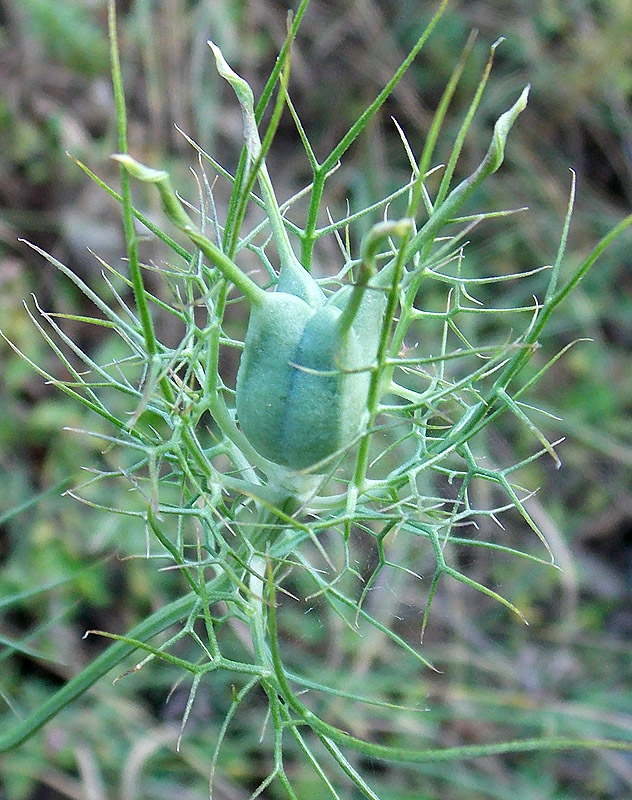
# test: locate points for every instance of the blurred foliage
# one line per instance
(571, 670)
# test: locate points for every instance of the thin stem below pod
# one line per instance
(407, 755)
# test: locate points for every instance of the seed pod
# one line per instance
(298, 402)
(305, 371)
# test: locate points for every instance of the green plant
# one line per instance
(248, 505)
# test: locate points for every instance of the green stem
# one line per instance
(280, 62)
(177, 215)
(347, 140)
(377, 376)
(293, 277)
(126, 200)
(75, 687)
(370, 246)
(159, 621)
(407, 755)
(523, 356)
(490, 164)
(309, 237)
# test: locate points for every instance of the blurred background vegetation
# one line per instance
(570, 672)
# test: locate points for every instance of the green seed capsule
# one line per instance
(297, 400)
